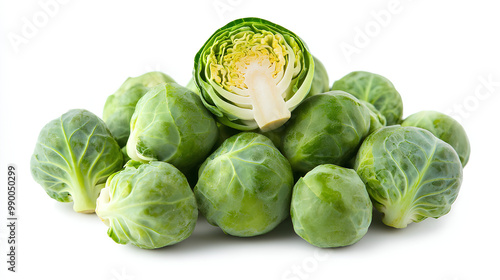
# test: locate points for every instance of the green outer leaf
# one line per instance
(409, 173)
(375, 89)
(151, 206)
(120, 106)
(301, 87)
(171, 124)
(326, 128)
(73, 155)
(330, 207)
(445, 128)
(245, 186)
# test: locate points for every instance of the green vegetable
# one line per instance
(330, 207)
(149, 205)
(409, 173)
(120, 106)
(171, 124)
(375, 89)
(252, 73)
(320, 81)
(445, 128)
(245, 186)
(73, 156)
(326, 128)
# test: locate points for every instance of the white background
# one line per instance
(437, 53)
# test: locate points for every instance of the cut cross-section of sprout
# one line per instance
(253, 73)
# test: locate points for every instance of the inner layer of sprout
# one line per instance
(254, 71)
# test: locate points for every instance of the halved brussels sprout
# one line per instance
(252, 73)
(320, 81)
(375, 89)
(149, 205)
(245, 186)
(120, 106)
(171, 124)
(326, 128)
(409, 173)
(73, 156)
(445, 128)
(330, 207)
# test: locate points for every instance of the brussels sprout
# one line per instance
(330, 207)
(409, 173)
(320, 81)
(375, 89)
(73, 156)
(252, 73)
(245, 186)
(171, 124)
(120, 106)
(149, 205)
(326, 128)
(445, 128)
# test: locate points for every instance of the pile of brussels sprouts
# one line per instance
(256, 136)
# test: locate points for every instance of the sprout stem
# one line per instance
(269, 107)
(396, 217)
(82, 200)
